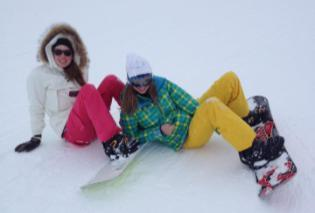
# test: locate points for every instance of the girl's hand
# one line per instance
(167, 129)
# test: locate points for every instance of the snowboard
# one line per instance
(112, 169)
(280, 170)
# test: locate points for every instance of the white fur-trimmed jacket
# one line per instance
(48, 89)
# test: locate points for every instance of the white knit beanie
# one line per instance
(136, 65)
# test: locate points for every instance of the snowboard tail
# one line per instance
(279, 169)
(112, 169)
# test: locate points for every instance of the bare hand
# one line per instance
(167, 129)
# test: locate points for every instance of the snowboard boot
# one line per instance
(120, 146)
(261, 153)
(257, 115)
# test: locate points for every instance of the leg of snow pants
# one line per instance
(111, 87)
(221, 109)
(89, 118)
(229, 90)
(212, 115)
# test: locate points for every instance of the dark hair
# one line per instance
(73, 73)
(130, 101)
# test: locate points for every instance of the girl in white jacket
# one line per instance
(77, 111)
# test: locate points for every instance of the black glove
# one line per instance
(29, 145)
(120, 146)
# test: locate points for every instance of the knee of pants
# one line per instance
(229, 79)
(109, 79)
(230, 76)
(112, 86)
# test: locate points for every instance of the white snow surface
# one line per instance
(269, 44)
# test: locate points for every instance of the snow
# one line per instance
(269, 44)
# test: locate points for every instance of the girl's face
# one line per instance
(63, 56)
(141, 89)
(141, 83)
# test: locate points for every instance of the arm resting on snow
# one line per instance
(30, 145)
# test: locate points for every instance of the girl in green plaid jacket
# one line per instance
(155, 109)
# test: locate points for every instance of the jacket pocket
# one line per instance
(64, 99)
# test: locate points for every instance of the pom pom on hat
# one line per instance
(136, 66)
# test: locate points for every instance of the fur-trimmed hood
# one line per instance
(62, 31)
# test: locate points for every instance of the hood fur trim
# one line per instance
(63, 30)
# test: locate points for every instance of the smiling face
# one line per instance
(63, 56)
(141, 83)
(141, 89)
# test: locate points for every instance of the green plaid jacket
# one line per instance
(175, 106)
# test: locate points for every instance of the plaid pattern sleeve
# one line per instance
(182, 99)
(130, 127)
(178, 137)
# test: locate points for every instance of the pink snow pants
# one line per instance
(90, 117)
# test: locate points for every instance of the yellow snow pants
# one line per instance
(221, 109)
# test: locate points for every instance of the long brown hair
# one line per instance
(130, 101)
(74, 73)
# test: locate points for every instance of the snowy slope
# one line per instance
(269, 44)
